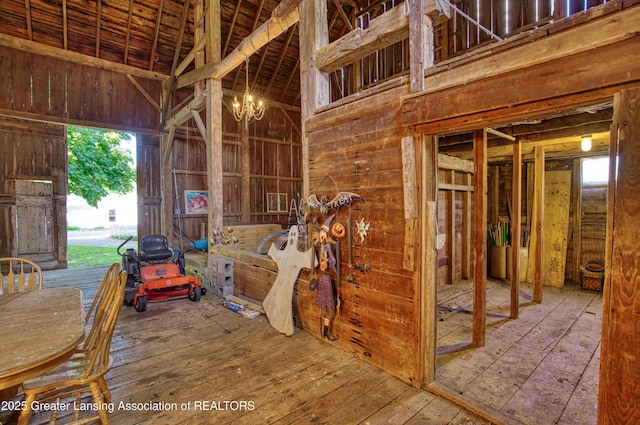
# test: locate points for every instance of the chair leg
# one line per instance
(25, 414)
(104, 389)
(97, 398)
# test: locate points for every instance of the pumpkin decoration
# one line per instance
(338, 230)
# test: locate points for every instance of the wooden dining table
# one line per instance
(39, 330)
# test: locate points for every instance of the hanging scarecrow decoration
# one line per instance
(326, 298)
(327, 241)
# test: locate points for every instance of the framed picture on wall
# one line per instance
(196, 201)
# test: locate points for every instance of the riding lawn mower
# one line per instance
(157, 273)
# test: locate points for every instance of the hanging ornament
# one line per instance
(361, 229)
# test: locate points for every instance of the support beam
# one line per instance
(76, 58)
(385, 30)
(429, 270)
(283, 16)
(314, 85)
(480, 237)
(420, 44)
(245, 171)
(516, 219)
(213, 94)
(467, 203)
(538, 196)
(619, 387)
(451, 229)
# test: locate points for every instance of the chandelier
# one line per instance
(249, 107)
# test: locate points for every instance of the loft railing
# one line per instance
(455, 36)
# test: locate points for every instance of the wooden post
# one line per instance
(516, 218)
(538, 256)
(213, 91)
(480, 236)
(466, 228)
(429, 269)
(451, 229)
(314, 85)
(577, 218)
(245, 164)
(619, 387)
(420, 44)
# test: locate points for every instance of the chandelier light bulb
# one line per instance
(248, 108)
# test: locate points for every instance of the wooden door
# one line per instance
(35, 224)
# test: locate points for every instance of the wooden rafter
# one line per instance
(74, 57)
(345, 18)
(283, 16)
(128, 37)
(65, 25)
(293, 72)
(292, 31)
(254, 25)
(27, 6)
(232, 26)
(98, 23)
(263, 56)
(145, 93)
(190, 57)
(176, 58)
(154, 46)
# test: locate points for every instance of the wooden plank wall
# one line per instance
(356, 147)
(37, 152)
(149, 187)
(593, 216)
(50, 89)
(274, 157)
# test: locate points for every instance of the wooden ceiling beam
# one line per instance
(98, 23)
(263, 56)
(254, 25)
(128, 36)
(27, 6)
(292, 31)
(294, 71)
(383, 31)
(282, 17)
(176, 57)
(77, 58)
(232, 26)
(65, 26)
(154, 46)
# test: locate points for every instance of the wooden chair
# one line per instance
(99, 305)
(19, 275)
(84, 371)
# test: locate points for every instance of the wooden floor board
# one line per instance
(185, 352)
(538, 369)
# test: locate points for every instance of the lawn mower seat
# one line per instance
(154, 248)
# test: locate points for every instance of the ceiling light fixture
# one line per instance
(249, 108)
(585, 144)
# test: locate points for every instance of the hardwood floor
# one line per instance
(200, 363)
(541, 368)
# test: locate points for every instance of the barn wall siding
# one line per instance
(33, 151)
(356, 148)
(48, 89)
